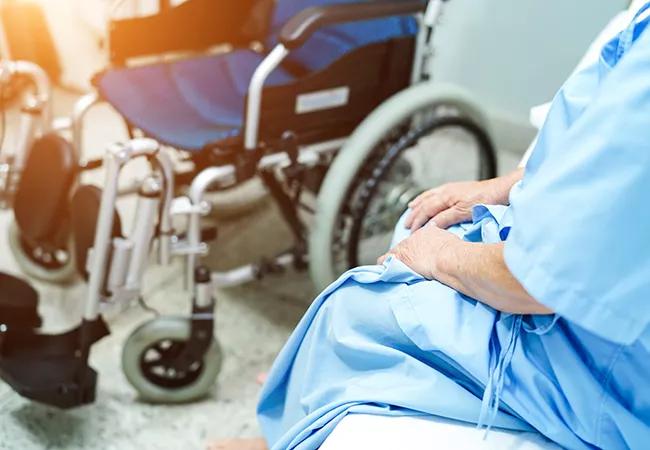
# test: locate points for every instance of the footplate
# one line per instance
(51, 369)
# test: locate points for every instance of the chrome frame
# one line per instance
(424, 41)
(79, 111)
(255, 89)
(39, 102)
(116, 158)
(195, 208)
(35, 118)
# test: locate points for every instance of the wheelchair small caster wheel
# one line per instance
(52, 267)
(147, 362)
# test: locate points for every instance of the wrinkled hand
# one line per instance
(423, 250)
(452, 203)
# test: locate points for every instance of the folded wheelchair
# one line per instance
(285, 112)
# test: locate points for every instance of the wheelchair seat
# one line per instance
(18, 303)
(196, 102)
(190, 103)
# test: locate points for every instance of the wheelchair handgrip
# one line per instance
(300, 27)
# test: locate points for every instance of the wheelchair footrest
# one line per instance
(51, 369)
(18, 303)
(56, 381)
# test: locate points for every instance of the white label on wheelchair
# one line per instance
(320, 100)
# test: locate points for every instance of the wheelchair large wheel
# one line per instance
(49, 265)
(146, 359)
(423, 137)
(39, 235)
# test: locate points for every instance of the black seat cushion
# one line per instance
(18, 303)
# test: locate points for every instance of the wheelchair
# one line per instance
(286, 113)
(167, 359)
(231, 108)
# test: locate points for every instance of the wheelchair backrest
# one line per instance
(331, 43)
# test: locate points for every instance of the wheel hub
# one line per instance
(157, 364)
(50, 259)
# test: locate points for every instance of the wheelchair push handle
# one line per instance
(302, 26)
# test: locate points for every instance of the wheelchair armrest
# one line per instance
(304, 24)
(194, 25)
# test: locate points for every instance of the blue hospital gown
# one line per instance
(383, 340)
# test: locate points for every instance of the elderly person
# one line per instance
(528, 311)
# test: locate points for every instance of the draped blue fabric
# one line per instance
(383, 340)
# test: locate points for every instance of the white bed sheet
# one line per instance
(361, 431)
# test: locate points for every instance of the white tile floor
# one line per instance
(253, 322)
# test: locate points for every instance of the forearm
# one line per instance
(501, 186)
(479, 271)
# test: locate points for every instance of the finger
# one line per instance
(409, 219)
(422, 197)
(418, 200)
(419, 220)
(435, 205)
(414, 216)
(417, 212)
(381, 259)
(422, 214)
(449, 217)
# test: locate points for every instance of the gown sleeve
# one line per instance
(580, 243)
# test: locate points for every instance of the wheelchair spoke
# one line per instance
(437, 149)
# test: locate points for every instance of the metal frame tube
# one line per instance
(420, 52)
(424, 48)
(165, 226)
(116, 157)
(203, 297)
(199, 186)
(306, 155)
(79, 111)
(143, 230)
(433, 13)
(225, 174)
(117, 275)
(114, 160)
(254, 103)
(41, 98)
(28, 127)
(37, 75)
(247, 273)
(36, 110)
